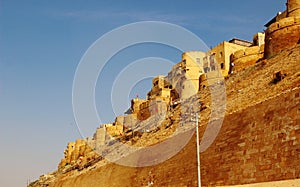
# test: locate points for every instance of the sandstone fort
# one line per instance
(259, 140)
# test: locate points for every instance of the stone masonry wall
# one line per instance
(78, 152)
(281, 35)
(258, 144)
(246, 57)
(293, 7)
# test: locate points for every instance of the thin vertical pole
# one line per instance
(198, 151)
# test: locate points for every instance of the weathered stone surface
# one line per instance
(78, 152)
(248, 149)
(284, 33)
(259, 140)
(244, 58)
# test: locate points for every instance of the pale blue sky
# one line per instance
(42, 42)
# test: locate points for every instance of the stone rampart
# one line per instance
(246, 57)
(282, 34)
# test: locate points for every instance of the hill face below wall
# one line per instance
(259, 140)
(258, 144)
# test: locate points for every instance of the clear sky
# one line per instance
(42, 42)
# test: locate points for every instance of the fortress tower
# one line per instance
(293, 8)
(283, 32)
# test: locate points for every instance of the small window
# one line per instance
(222, 66)
(221, 54)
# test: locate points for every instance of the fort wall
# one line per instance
(258, 144)
(293, 8)
(114, 130)
(246, 57)
(284, 33)
(222, 55)
(77, 153)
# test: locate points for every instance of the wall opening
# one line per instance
(222, 66)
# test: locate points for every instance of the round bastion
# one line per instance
(284, 33)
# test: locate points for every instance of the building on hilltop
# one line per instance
(248, 56)
(135, 105)
(193, 66)
(197, 69)
(259, 39)
(221, 53)
(160, 88)
(238, 54)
